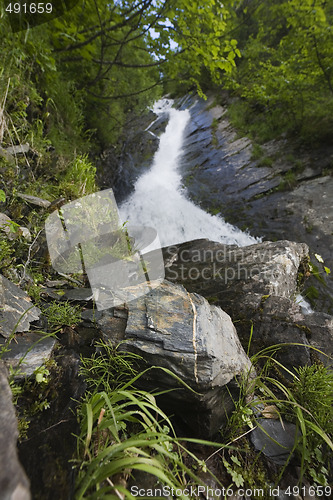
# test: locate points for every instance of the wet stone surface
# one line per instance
(181, 332)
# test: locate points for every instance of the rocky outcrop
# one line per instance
(14, 484)
(257, 286)
(181, 332)
(236, 278)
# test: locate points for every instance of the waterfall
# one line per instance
(159, 200)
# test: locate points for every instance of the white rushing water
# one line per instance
(159, 201)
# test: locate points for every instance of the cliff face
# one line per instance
(277, 190)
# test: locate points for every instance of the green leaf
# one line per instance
(2, 196)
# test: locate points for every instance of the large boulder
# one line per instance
(236, 278)
(14, 484)
(182, 332)
(257, 285)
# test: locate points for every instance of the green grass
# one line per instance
(62, 314)
(307, 401)
(124, 431)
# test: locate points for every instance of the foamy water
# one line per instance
(159, 201)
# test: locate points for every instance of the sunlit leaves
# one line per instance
(287, 62)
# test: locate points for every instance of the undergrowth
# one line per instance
(123, 430)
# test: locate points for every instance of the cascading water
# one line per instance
(159, 200)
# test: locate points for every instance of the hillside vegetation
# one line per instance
(68, 87)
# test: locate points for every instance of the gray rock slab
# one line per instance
(182, 332)
(28, 352)
(78, 294)
(14, 484)
(16, 309)
(34, 200)
(236, 278)
(19, 149)
(274, 439)
(175, 324)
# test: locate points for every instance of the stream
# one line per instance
(159, 199)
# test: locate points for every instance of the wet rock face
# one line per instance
(120, 166)
(13, 480)
(174, 329)
(16, 309)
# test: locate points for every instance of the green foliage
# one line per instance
(62, 314)
(288, 181)
(312, 397)
(31, 396)
(313, 389)
(257, 152)
(34, 292)
(6, 251)
(123, 430)
(285, 74)
(79, 178)
(266, 161)
(108, 368)
(307, 401)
